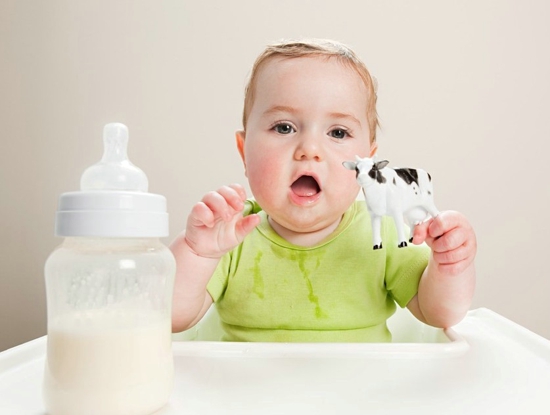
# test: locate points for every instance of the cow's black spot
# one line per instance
(377, 175)
(394, 182)
(408, 175)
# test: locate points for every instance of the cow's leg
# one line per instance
(413, 227)
(411, 223)
(398, 219)
(412, 231)
(376, 222)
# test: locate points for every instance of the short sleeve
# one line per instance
(404, 266)
(218, 282)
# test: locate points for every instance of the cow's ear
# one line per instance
(350, 165)
(381, 164)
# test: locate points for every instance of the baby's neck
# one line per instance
(306, 239)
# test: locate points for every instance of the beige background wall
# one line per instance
(464, 93)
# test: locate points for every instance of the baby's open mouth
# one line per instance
(305, 186)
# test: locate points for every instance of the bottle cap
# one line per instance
(113, 200)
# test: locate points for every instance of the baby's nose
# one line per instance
(309, 147)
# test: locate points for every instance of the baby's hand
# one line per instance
(216, 224)
(452, 240)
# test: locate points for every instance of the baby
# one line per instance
(296, 263)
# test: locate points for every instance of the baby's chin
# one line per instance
(304, 230)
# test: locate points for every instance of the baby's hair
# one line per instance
(290, 49)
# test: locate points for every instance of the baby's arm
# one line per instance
(214, 227)
(447, 286)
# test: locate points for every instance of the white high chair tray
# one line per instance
(505, 370)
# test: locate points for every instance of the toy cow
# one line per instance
(400, 193)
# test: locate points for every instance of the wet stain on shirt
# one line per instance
(306, 271)
(258, 287)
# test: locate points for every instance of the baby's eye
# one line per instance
(339, 133)
(284, 128)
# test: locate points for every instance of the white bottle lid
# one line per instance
(113, 200)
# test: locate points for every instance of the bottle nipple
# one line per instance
(114, 171)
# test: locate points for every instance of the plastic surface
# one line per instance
(114, 171)
(506, 370)
(113, 199)
(109, 293)
(405, 194)
(109, 323)
(106, 214)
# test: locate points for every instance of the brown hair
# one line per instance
(315, 47)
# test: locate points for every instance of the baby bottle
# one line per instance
(109, 293)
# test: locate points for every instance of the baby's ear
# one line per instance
(240, 136)
(373, 149)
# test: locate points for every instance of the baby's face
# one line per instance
(308, 116)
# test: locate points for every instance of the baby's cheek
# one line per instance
(345, 184)
(263, 178)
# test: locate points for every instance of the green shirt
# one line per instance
(340, 290)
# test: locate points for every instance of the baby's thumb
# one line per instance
(245, 225)
(420, 233)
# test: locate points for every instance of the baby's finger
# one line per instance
(453, 256)
(240, 190)
(233, 197)
(420, 233)
(201, 215)
(245, 225)
(219, 206)
(450, 240)
(444, 222)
